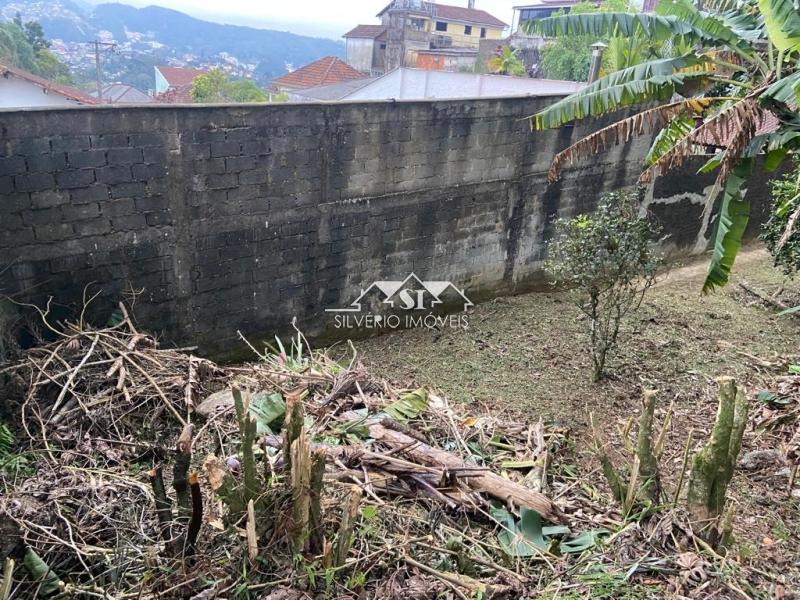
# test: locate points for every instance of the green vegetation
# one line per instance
(607, 260)
(23, 45)
(568, 57)
(216, 86)
(780, 232)
(506, 62)
(732, 68)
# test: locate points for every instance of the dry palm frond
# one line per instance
(734, 127)
(622, 131)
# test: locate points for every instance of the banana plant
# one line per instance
(735, 63)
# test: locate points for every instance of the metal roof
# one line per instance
(422, 84)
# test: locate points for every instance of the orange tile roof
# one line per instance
(455, 13)
(179, 76)
(63, 90)
(324, 71)
(175, 95)
(366, 31)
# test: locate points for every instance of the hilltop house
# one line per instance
(325, 71)
(415, 33)
(21, 89)
(174, 84)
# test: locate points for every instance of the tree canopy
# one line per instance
(568, 57)
(506, 62)
(23, 45)
(215, 86)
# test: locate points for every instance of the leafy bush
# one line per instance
(781, 232)
(507, 62)
(607, 259)
(215, 86)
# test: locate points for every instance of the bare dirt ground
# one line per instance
(524, 357)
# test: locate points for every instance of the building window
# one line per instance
(417, 24)
(467, 29)
(534, 14)
(483, 32)
(383, 46)
(441, 26)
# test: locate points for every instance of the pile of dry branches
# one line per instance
(316, 479)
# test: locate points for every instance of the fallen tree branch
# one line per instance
(764, 297)
(423, 455)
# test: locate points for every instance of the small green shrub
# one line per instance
(781, 232)
(607, 259)
(10, 461)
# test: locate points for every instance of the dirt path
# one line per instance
(698, 267)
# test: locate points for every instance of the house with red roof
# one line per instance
(174, 84)
(428, 35)
(22, 89)
(325, 71)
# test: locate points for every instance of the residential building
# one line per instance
(366, 48)
(122, 93)
(21, 89)
(413, 26)
(423, 84)
(325, 71)
(540, 9)
(174, 84)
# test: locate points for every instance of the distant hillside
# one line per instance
(155, 34)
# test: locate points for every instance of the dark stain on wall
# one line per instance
(218, 219)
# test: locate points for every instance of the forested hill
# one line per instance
(154, 34)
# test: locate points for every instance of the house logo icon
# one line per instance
(412, 293)
(405, 303)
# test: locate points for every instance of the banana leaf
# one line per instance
(409, 406)
(783, 23)
(734, 214)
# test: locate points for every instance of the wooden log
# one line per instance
(434, 460)
(196, 521)
(317, 533)
(293, 425)
(250, 529)
(344, 538)
(648, 463)
(301, 497)
(163, 503)
(713, 465)
(247, 432)
(180, 473)
(486, 481)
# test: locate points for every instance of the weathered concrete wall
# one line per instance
(241, 218)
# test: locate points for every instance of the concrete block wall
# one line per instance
(218, 219)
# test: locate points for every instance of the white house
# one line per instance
(21, 89)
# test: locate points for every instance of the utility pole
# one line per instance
(97, 64)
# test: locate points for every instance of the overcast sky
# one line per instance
(328, 18)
